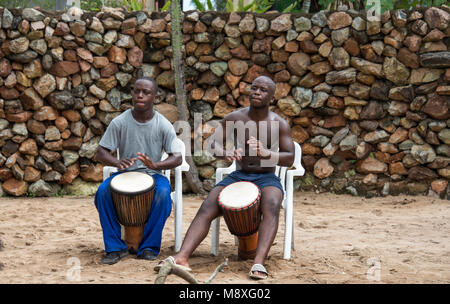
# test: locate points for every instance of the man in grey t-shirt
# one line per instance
(140, 134)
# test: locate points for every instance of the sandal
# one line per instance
(171, 260)
(258, 268)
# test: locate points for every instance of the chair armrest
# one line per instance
(227, 170)
(108, 170)
(295, 172)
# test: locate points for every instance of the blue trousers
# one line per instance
(160, 211)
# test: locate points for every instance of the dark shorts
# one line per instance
(260, 179)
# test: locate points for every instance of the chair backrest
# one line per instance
(281, 171)
(179, 146)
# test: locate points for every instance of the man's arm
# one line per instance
(286, 150)
(286, 153)
(104, 156)
(173, 160)
(218, 145)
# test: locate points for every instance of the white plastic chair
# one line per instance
(287, 180)
(176, 195)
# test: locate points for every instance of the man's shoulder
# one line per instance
(161, 119)
(238, 114)
(122, 117)
(277, 117)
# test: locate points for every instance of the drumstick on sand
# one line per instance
(170, 268)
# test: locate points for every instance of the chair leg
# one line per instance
(215, 237)
(177, 197)
(288, 232)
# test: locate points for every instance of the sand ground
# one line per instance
(338, 239)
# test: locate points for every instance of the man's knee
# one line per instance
(102, 191)
(271, 202)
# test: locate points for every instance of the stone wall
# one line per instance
(368, 101)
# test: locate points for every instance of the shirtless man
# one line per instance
(252, 164)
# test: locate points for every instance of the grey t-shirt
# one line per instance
(131, 136)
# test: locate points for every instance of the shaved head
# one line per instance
(267, 81)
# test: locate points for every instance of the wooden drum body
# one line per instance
(132, 194)
(240, 205)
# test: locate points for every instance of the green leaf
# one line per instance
(209, 4)
(199, 5)
(166, 6)
(249, 6)
(229, 7)
(240, 7)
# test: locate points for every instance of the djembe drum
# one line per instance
(240, 205)
(132, 194)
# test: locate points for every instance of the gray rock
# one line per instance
(262, 25)
(89, 148)
(319, 19)
(7, 19)
(318, 100)
(443, 150)
(114, 97)
(39, 46)
(141, 17)
(346, 76)
(42, 188)
(423, 153)
(395, 71)
(291, 35)
(352, 190)
(61, 100)
(444, 136)
(32, 14)
(435, 60)
(219, 68)
(81, 188)
(376, 136)
(302, 96)
(302, 24)
(320, 141)
(350, 142)
(338, 37)
(20, 129)
(359, 24)
(203, 108)
(339, 135)
(203, 158)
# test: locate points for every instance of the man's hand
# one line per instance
(147, 161)
(257, 146)
(126, 163)
(234, 155)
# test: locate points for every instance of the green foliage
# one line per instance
(290, 6)
(96, 5)
(257, 6)
(325, 3)
(199, 5)
(166, 6)
(134, 5)
(263, 6)
(349, 173)
(44, 4)
(409, 4)
(61, 193)
(91, 5)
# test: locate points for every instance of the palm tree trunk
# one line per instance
(306, 6)
(180, 91)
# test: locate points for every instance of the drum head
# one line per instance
(239, 195)
(132, 183)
